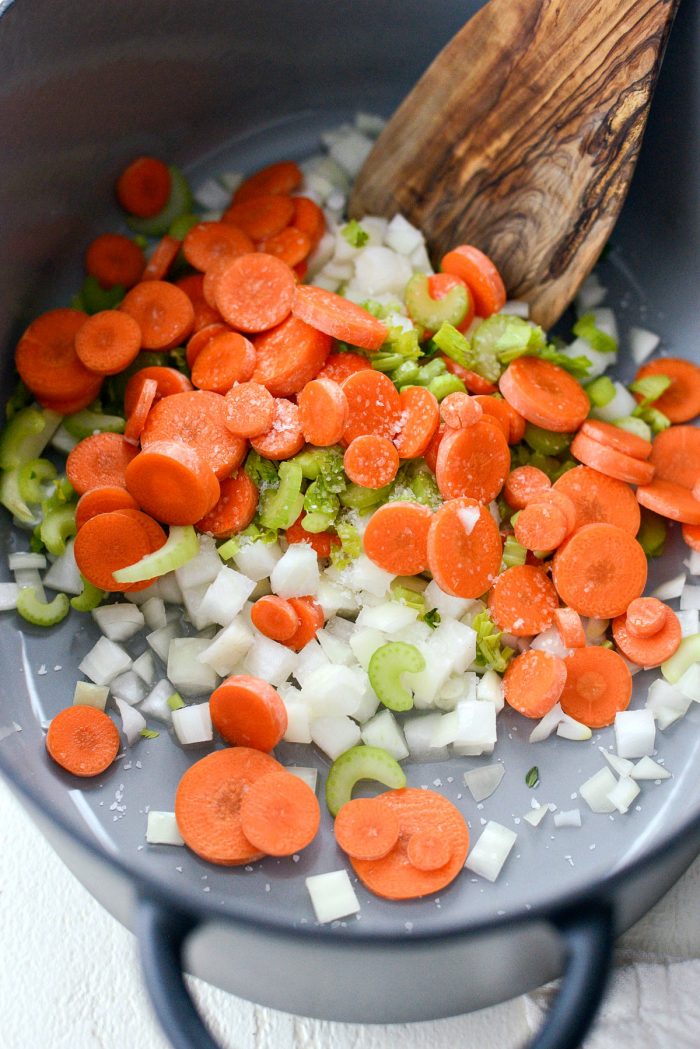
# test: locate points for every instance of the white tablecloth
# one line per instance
(70, 978)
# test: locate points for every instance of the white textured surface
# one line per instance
(70, 977)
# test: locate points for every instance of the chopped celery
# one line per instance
(262, 472)
(455, 346)
(652, 533)
(175, 701)
(600, 391)
(20, 398)
(179, 203)
(41, 613)
(387, 664)
(319, 500)
(26, 435)
(545, 442)
(32, 478)
(149, 733)
(359, 763)
(316, 522)
(442, 385)
(355, 497)
(230, 548)
(399, 346)
(95, 298)
(432, 618)
(650, 388)
(405, 596)
(62, 493)
(182, 226)
(350, 544)
(634, 425)
(415, 481)
(687, 653)
(85, 423)
(500, 339)
(430, 312)
(280, 507)
(354, 234)
(655, 420)
(12, 500)
(89, 598)
(181, 546)
(430, 371)
(406, 374)
(585, 328)
(489, 651)
(579, 367)
(56, 528)
(513, 552)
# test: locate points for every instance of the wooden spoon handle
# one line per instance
(522, 137)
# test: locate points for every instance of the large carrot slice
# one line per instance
(670, 500)
(464, 548)
(600, 570)
(209, 243)
(108, 542)
(253, 292)
(323, 412)
(108, 342)
(598, 498)
(338, 317)
(675, 455)
(261, 216)
(474, 461)
(289, 356)
(172, 483)
(374, 405)
(163, 312)
(193, 287)
(114, 259)
(617, 438)
(102, 500)
(284, 438)
(339, 366)
(366, 829)
(97, 460)
(46, 359)
(82, 740)
(598, 685)
(648, 651)
(371, 461)
(681, 401)
(69, 405)
(280, 814)
(420, 418)
(248, 712)
(168, 381)
(522, 484)
(226, 359)
(250, 409)
(284, 176)
(533, 682)
(235, 509)
(198, 420)
(544, 394)
(274, 617)
(480, 275)
(609, 461)
(396, 537)
(522, 600)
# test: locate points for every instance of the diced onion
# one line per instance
(332, 896)
(161, 829)
(193, 724)
(384, 731)
(671, 588)
(132, 721)
(595, 791)
(226, 650)
(335, 734)
(270, 660)
(484, 781)
(635, 732)
(129, 687)
(623, 794)
(155, 705)
(308, 775)
(296, 573)
(567, 818)
(568, 728)
(535, 816)
(491, 850)
(647, 768)
(88, 695)
(105, 661)
(187, 674)
(622, 766)
(642, 344)
(547, 725)
(119, 621)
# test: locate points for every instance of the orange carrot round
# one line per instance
(114, 259)
(197, 419)
(473, 462)
(691, 536)
(290, 244)
(250, 409)
(512, 424)
(598, 498)
(46, 359)
(199, 339)
(274, 617)
(310, 621)
(441, 284)
(70, 405)
(172, 483)
(617, 438)
(108, 342)
(284, 176)
(480, 275)
(570, 627)
(681, 401)
(235, 509)
(670, 500)
(108, 542)
(248, 712)
(371, 461)
(227, 358)
(474, 382)
(102, 500)
(162, 258)
(163, 312)
(552, 497)
(323, 412)
(137, 420)
(522, 484)
(82, 740)
(284, 438)
(308, 218)
(288, 356)
(193, 287)
(338, 317)
(374, 405)
(320, 542)
(544, 394)
(533, 682)
(419, 419)
(648, 651)
(97, 460)
(254, 292)
(431, 452)
(261, 216)
(598, 685)
(645, 616)
(464, 548)
(396, 537)
(143, 188)
(541, 527)
(675, 455)
(610, 462)
(168, 382)
(339, 366)
(522, 600)
(600, 570)
(280, 814)
(427, 850)
(209, 243)
(365, 829)
(459, 410)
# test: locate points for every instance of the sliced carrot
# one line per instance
(310, 621)
(533, 682)
(512, 424)
(250, 409)
(459, 410)
(274, 617)
(163, 312)
(108, 542)
(172, 483)
(480, 275)
(288, 356)
(691, 536)
(598, 498)
(137, 420)
(323, 412)
(339, 366)
(552, 497)
(209, 243)
(645, 616)
(208, 801)
(308, 218)
(254, 292)
(204, 314)
(70, 405)
(83, 740)
(261, 216)
(522, 600)
(431, 452)
(199, 339)
(570, 627)
(541, 526)
(617, 438)
(427, 850)
(291, 245)
(300, 270)
(102, 500)
(235, 509)
(649, 651)
(396, 537)
(419, 419)
(473, 462)
(522, 484)
(441, 284)
(365, 829)
(675, 455)
(114, 259)
(108, 342)
(544, 394)
(464, 548)
(284, 176)
(197, 419)
(226, 359)
(598, 685)
(161, 259)
(338, 317)
(600, 570)
(681, 401)
(97, 460)
(154, 533)
(670, 500)
(169, 381)
(280, 814)
(209, 285)
(393, 876)
(321, 542)
(248, 712)
(143, 188)
(608, 461)
(371, 461)
(374, 405)
(474, 382)
(284, 438)
(46, 359)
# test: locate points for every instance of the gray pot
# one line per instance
(84, 88)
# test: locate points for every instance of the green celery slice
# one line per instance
(281, 506)
(430, 313)
(181, 546)
(12, 500)
(32, 477)
(41, 613)
(360, 763)
(89, 598)
(56, 528)
(85, 423)
(179, 203)
(26, 435)
(442, 385)
(387, 664)
(687, 653)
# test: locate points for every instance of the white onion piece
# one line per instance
(567, 818)
(647, 768)
(568, 728)
(391, 617)
(298, 728)
(379, 270)
(595, 791)
(594, 629)
(363, 574)
(635, 732)
(270, 660)
(211, 195)
(119, 621)
(550, 641)
(193, 724)
(622, 404)
(296, 572)
(129, 687)
(159, 640)
(419, 732)
(457, 689)
(383, 730)
(225, 651)
(516, 308)
(333, 690)
(689, 621)
(671, 588)
(88, 695)
(364, 643)
(132, 721)
(621, 766)
(402, 237)
(257, 560)
(155, 705)
(692, 562)
(490, 689)
(476, 728)
(332, 896)
(201, 569)
(455, 643)
(547, 725)
(154, 613)
(590, 294)
(689, 682)
(449, 607)
(185, 672)
(642, 343)
(9, 593)
(309, 659)
(483, 782)
(666, 702)
(623, 794)
(144, 666)
(336, 649)
(469, 518)
(334, 735)
(491, 850)
(369, 124)
(535, 816)
(226, 596)
(428, 683)
(308, 775)
(690, 598)
(26, 559)
(105, 661)
(161, 829)
(334, 598)
(230, 180)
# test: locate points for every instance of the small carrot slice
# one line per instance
(248, 712)
(670, 500)
(97, 460)
(168, 381)
(284, 176)
(250, 409)
(209, 243)
(114, 259)
(522, 484)
(650, 651)
(533, 682)
(323, 412)
(254, 292)
(365, 829)
(172, 483)
(474, 382)
(464, 548)
(235, 509)
(681, 401)
(280, 814)
(512, 424)
(396, 537)
(374, 405)
(288, 356)
(290, 244)
(598, 498)
(610, 462)
(284, 438)
(208, 801)
(69, 405)
(137, 420)
(473, 462)
(274, 617)
(154, 533)
(431, 452)
(308, 218)
(691, 536)
(371, 461)
(598, 685)
(46, 359)
(261, 216)
(162, 258)
(522, 600)
(163, 312)
(617, 438)
(193, 287)
(108, 542)
(320, 542)
(459, 410)
(544, 394)
(570, 627)
(199, 339)
(338, 317)
(600, 570)
(675, 455)
(419, 419)
(541, 526)
(102, 500)
(645, 616)
(427, 850)
(551, 497)
(197, 419)
(108, 342)
(339, 366)
(441, 284)
(83, 740)
(393, 876)
(310, 621)
(226, 359)
(480, 275)
(144, 186)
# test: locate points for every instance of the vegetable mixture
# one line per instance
(373, 490)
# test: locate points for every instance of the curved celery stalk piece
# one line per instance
(90, 597)
(56, 528)
(356, 764)
(513, 552)
(26, 435)
(181, 546)
(545, 441)
(85, 423)
(41, 613)
(687, 653)
(363, 499)
(430, 312)
(317, 522)
(182, 225)
(442, 385)
(385, 668)
(280, 507)
(12, 500)
(179, 203)
(431, 370)
(634, 425)
(406, 374)
(31, 478)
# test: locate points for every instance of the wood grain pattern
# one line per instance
(522, 137)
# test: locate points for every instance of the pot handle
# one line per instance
(587, 932)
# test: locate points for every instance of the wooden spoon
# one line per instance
(522, 137)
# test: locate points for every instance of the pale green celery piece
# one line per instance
(431, 313)
(89, 598)
(56, 528)
(545, 441)
(385, 668)
(12, 500)
(632, 424)
(181, 546)
(442, 385)
(149, 733)
(454, 345)
(32, 478)
(96, 298)
(356, 764)
(280, 507)
(179, 203)
(513, 552)
(431, 370)
(650, 387)
(386, 362)
(405, 596)
(26, 435)
(182, 226)
(85, 423)
(41, 613)
(317, 522)
(175, 702)
(500, 339)
(350, 544)
(687, 653)
(600, 391)
(654, 419)
(355, 497)
(228, 549)
(586, 328)
(406, 374)
(354, 234)
(652, 533)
